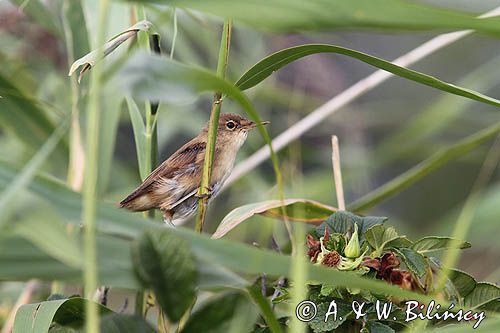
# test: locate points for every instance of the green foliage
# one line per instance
(164, 263)
(38, 317)
(216, 314)
(462, 282)
(435, 243)
(22, 115)
(295, 15)
(119, 323)
(342, 222)
(269, 65)
(300, 210)
(352, 257)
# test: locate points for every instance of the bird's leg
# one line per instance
(167, 218)
(205, 195)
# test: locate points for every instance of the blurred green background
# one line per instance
(382, 134)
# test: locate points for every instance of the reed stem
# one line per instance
(90, 182)
(203, 191)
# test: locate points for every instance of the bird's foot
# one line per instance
(205, 195)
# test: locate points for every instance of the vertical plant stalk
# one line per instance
(203, 191)
(466, 216)
(151, 143)
(298, 273)
(90, 181)
(76, 153)
(337, 173)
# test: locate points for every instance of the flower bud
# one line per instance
(352, 250)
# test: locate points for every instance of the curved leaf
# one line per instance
(21, 115)
(265, 309)
(463, 282)
(413, 260)
(216, 315)
(425, 167)
(275, 61)
(38, 317)
(482, 294)
(321, 15)
(379, 236)
(119, 225)
(164, 263)
(88, 61)
(300, 210)
(343, 221)
(7, 196)
(436, 243)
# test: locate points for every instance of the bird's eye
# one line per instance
(230, 125)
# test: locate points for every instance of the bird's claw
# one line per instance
(205, 195)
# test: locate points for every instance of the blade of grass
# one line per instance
(212, 128)
(119, 227)
(433, 119)
(466, 216)
(363, 86)
(265, 309)
(425, 167)
(148, 142)
(8, 196)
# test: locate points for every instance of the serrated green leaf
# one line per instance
(342, 221)
(415, 262)
(377, 327)
(318, 324)
(463, 282)
(400, 241)
(164, 263)
(493, 305)
(326, 289)
(436, 243)
(482, 294)
(379, 235)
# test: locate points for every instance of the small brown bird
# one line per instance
(172, 187)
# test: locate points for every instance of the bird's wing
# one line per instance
(184, 158)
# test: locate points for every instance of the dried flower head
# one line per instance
(314, 247)
(331, 259)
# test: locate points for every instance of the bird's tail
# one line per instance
(137, 203)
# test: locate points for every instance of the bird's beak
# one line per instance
(253, 124)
